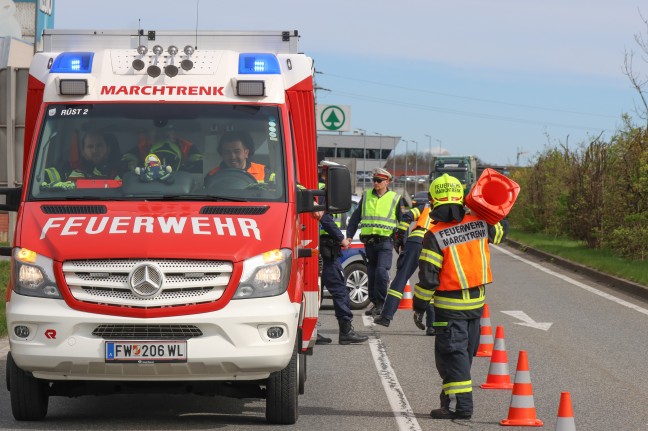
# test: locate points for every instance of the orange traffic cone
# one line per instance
(522, 410)
(565, 414)
(485, 347)
(407, 301)
(498, 371)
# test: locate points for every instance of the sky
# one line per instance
(500, 79)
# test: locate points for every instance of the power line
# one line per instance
(497, 102)
(461, 113)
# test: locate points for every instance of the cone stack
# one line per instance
(498, 371)
(522, 411)
(485, 347)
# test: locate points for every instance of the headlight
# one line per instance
(33, 275)
(265, 275)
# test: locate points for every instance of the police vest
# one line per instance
(465, 260)
(378, 216)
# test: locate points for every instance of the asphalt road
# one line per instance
(580, 335)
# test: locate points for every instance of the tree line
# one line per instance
(596, 192)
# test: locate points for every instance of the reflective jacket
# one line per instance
(454, 266)
(378, 215)
(422, 219)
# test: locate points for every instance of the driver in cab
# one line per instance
(236, 150)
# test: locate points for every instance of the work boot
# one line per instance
(430, 331)
(375, 310)
(382, 321)
(370, 310)
(322, 339)
(444, 413)
(348, 335)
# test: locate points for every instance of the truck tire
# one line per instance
(357, 281)
(282, 394)
(29, 396)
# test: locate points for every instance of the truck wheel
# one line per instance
(29, 396)
(302, 373)
(282, 395)
(355, 276)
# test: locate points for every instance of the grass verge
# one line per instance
(576, 251)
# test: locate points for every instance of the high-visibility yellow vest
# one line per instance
(378, 216)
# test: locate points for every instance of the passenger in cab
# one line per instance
(236, 150)
(172, 150)
(98, 158)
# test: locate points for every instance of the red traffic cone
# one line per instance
(565, 414)
(407, 301)
(498, 371)
(522, 411)
(485, 347)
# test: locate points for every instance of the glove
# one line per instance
(399, 240)
(418, 320)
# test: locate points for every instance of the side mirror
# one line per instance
(12, 198)
(338, 189)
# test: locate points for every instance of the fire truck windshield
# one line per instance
(159, 151)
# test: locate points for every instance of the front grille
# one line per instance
(147, 332)
(186, 282)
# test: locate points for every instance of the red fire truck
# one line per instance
(161, 265)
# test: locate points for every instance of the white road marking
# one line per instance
(526, 320)
(397, 400)
(576, 283)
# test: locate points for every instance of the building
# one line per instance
(359, 152)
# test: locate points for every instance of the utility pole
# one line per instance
(520, 151)
(364, 157)
(429, 155)
(380, 145)
(416, 168)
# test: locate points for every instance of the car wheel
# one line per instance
(282, 393)
(355, 276)
(29, 396)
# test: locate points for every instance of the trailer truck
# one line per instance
(165, 277)
(464, 168)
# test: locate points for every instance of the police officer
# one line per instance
(454, 267)
(407, 263)
(378, 214)
(331, 241)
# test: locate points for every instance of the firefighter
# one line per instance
(98, 159)
(378, 214)
(409, 251)
(454, 267)
(330, 247)
(173, 151)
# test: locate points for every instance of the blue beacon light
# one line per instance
(258, 64)
(73, 62)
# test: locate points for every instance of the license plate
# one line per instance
(146, 352)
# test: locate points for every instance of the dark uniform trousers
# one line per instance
(379, 261)
(455, 346)
(333, 279)
(406, 265)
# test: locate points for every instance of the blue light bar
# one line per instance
(73, 62)
(258, 64)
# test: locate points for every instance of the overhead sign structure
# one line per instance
(333, 118)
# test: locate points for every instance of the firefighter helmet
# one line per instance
(446, 190)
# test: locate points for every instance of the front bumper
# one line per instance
(233, 346)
